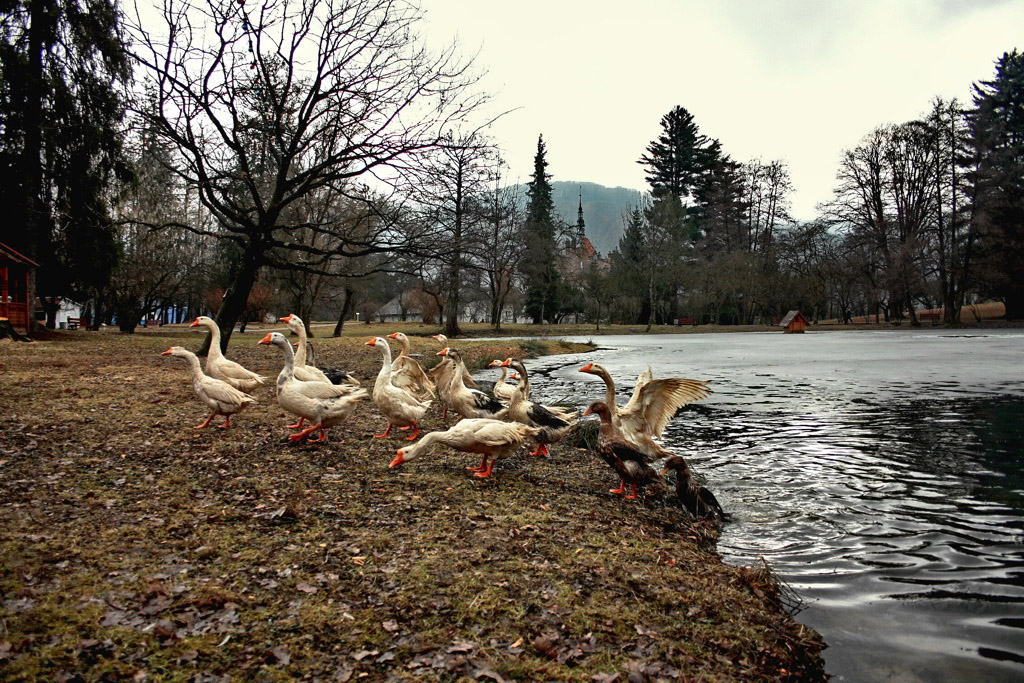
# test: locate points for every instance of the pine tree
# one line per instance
(679, 157)
(543, 285)
(62, 64)
(997, 138)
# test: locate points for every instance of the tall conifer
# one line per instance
(997, 137)
(540, 267)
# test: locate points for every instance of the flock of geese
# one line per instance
(492, 425)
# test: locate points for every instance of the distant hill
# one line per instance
(603, 209)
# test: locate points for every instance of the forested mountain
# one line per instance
(603, 209)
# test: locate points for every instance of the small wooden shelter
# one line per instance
(15, 271)
(794, 322)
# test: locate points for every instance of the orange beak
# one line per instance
(399, 459)
(494, 364)
(587, 368)
(166, 353)
(507, 362)
(442, 352)
(195, 323)
(287, 318)
(514, 375)
(393, 335)
(372, 342)
(588, 411)
(265, 340)
(664, 472)
(436, 337)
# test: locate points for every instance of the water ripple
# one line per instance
(881, 475)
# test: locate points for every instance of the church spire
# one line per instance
(581, 232)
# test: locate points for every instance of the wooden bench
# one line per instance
(686, 321)
(75, 323)
(152, 322)
(932, 316)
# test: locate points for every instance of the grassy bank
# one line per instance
(133, 546)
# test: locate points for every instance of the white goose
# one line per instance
(493, 439)
(307, 373)
(324, 405)
(557, 421)
(304, 372)
(219, 367)
(502, 390)
(220, 396)
(464, 400)
(407, 373)
(398, 405)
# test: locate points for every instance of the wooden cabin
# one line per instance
(15, 271)
(794, 322)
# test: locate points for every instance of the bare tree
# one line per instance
(885, 198)
(767, 189)
(297, 98)
(501, 251)
(449, 188)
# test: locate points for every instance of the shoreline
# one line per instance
(134, 544)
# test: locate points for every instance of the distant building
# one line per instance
(794, 322)
(15, 271)
(580, 256)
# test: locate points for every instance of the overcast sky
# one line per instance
(797, 80)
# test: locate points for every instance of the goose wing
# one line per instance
(658, 400)
(323, 390)
(496, 433)
(641, 381)
(310, 373)
(411, 368)
(482, 401)
(226, 396)
(626, 452)
(467, 379)
(232, 370)
(543, 416)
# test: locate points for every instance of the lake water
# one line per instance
(879, 473)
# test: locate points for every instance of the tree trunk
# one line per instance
(127, 318)
(7, 330)
(235, 299)
(40, 23)
(50, 307)
(346, 308)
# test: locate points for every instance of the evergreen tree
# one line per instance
(543, 287)
(722, 208)
(997, 139)
(62, 64)
(679, 157)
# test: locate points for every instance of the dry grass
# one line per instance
(132, 545)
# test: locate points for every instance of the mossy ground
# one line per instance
(134, 546)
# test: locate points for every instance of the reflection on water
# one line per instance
(881, 475)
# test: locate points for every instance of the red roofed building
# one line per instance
(15, 271)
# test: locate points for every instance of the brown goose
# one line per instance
(652, 405)
(697, 499)
(631, 464)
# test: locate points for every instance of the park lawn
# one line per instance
(134, 546)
